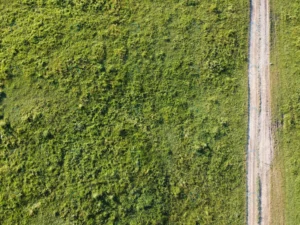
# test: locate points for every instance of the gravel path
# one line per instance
(260, 145)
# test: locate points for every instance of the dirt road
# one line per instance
(260, 145)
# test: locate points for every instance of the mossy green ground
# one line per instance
(123, 112)
(286, 93)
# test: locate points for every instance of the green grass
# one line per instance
(286, 59)
(123, 112)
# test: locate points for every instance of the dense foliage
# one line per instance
(123, 112)
(286, 59)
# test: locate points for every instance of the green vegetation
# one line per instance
(123, 112)
(286, 95)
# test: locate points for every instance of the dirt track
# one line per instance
(260, 145)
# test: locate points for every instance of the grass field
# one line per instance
(286, 94)
(124, 112)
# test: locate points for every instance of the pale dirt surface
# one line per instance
(260, 145)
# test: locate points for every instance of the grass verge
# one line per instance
(285, 88)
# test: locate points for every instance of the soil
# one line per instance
(260, 144)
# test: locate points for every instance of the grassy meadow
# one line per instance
(286, 103)
(127, 112)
